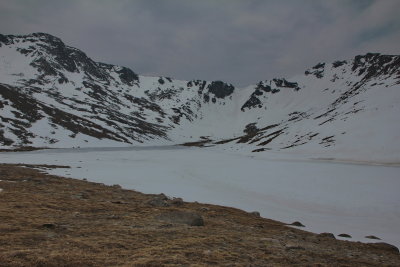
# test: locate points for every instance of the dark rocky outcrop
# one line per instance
(220, 89)
(298, 224)
(284, 83)
(127, 76)
(252, 103)
(317, 70)
(372, 237)
(345, 235)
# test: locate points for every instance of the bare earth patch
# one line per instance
(47, 220)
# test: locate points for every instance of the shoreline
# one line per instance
(90, 223)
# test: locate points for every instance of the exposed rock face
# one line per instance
(317, 70)
(220, 89)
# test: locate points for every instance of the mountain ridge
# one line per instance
(75, 101)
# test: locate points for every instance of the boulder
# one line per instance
(327, 235)
(298, 224)
(255, 213)
(384, 246)
(159, 201)
(345, 235)
(372, 237)
(176, 201)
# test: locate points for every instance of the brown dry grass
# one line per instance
(53, 221)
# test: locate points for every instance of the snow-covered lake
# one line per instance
(326, 196)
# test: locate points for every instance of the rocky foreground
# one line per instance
(47, 220)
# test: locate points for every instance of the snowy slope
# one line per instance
(54, 95)
(348, 108)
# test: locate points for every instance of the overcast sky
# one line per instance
(240, 42)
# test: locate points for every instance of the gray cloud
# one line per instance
(236, 41)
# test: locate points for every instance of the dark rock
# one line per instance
(119, 202)
(298, 224)
(49, 225)
(220, 89)
(338, 63)
(260, 149)
(127, 76)
(345, 235)
(384, 246)
(255, 213)
(251, 128)
(252, 102)
(283, 83)
(182, 217)
(317, 70)
(327, 235)
(206, 98)
(177, 201)
(204, 209)
(319, 66)
(159, 201)
(264, 87)
(372, 237)
(3, 38)
(258, 92)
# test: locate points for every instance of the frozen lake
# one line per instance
(326, 196)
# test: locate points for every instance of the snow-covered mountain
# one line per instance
(54, 95)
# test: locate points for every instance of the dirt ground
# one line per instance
(47, 220)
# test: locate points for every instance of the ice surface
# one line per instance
(326, 196)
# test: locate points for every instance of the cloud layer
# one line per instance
(240, 42)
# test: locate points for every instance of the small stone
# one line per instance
(345, 235)
(298, 224)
